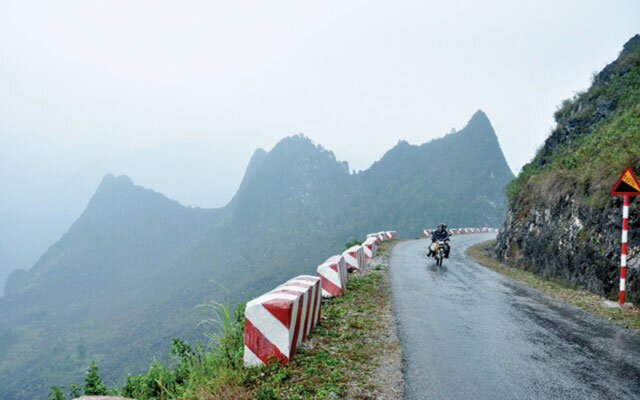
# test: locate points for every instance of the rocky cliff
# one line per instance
(561, 221)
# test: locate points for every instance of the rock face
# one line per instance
(561, 220)
(565, 239)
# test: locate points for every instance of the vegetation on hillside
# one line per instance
(596, 138)
(459, 178)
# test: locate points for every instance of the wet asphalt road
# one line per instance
(470, 333)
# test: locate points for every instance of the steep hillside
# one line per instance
(105, 278)
(459, 179)
(562, 221)
(126, 277)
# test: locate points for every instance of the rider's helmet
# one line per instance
(442, 227)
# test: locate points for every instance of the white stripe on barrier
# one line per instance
(250, 358)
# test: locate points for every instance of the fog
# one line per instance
(178, 95)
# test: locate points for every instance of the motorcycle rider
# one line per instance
(441, 233)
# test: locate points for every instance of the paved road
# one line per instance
(470, 333)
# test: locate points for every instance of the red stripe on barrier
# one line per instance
(260, 345)
(331, 287)
(279, 309)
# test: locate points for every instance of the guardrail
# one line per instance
(277, 322)
(463, 231)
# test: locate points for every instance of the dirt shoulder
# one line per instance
(592, 303)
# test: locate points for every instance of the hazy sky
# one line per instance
(179, 94)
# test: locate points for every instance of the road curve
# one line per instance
(470, 333)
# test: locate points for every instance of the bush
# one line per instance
(93, 383)
(56, 393)
(352, 243)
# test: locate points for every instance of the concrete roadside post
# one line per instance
(334, 275)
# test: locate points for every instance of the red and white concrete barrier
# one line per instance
(278, 321)
(270, 327)
(334, 275)
(370, 248)
(374, 236)
(355, 259)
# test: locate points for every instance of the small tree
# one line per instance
(93, 383)
(354, 242)
(75, 391)
(56, 393)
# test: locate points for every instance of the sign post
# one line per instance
(626, 186)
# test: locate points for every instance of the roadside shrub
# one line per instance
(352, 243)
(93, 384)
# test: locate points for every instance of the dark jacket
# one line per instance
(439, 235)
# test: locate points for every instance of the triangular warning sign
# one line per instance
(627, 184)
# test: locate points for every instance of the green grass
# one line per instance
(594, 304)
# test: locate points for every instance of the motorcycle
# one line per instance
(438, 250)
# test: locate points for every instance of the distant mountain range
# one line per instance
(41, 205)
(127, 275)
